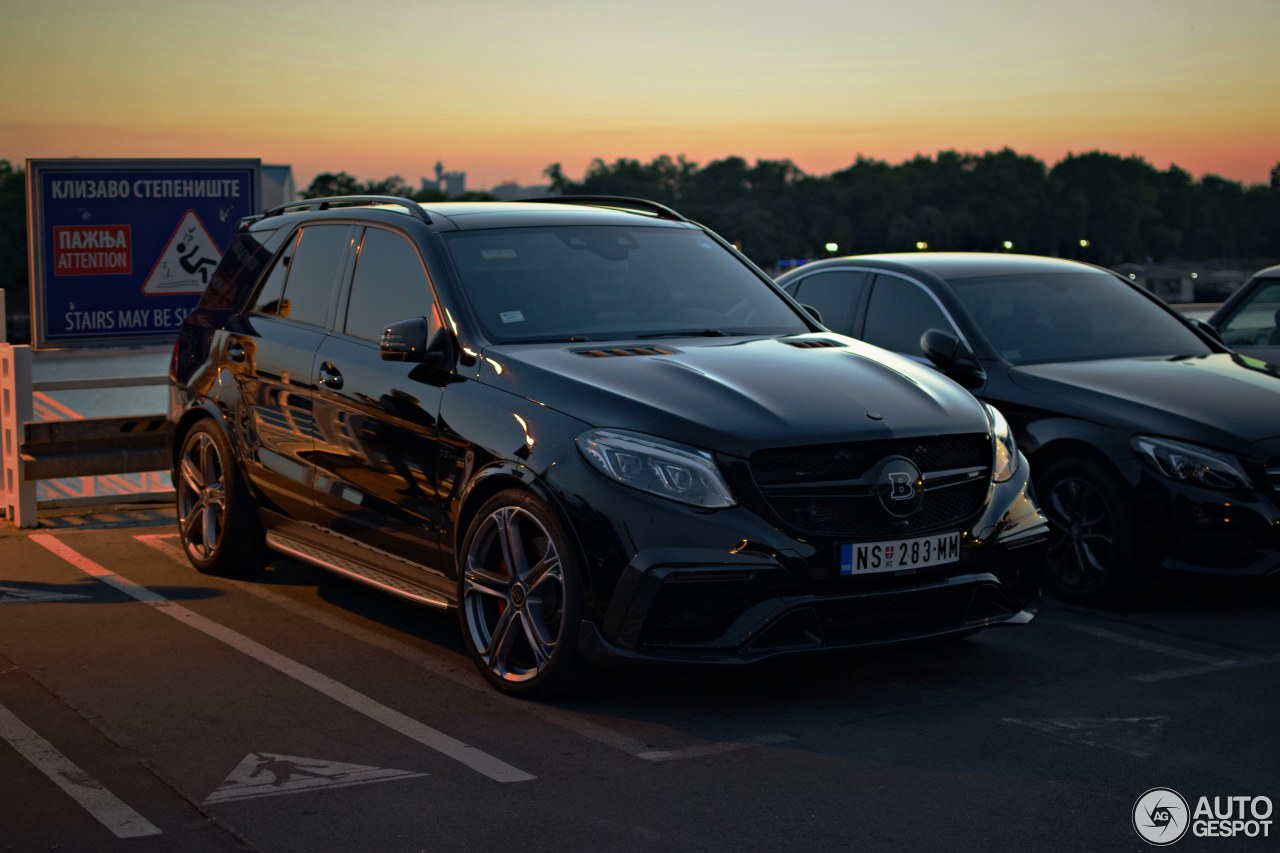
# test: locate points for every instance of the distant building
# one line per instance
(277, 186)
(511, 191)
(452, 184)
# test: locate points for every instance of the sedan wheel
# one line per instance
(1093, 551)
(217, 522)
(519, 599)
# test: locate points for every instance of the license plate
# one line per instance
(864, 558)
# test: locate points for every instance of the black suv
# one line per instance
(595, 429)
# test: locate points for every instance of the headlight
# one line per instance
(1006, 449)
(1188, 463)
(656, 466)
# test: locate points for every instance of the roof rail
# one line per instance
(339, 201)
(622, 202)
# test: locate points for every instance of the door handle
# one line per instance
(330, 377)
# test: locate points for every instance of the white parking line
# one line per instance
(474, 758)
(1142, 644)
(105, 806)
(1218, 666)
(712, 748)
(1207, 663)
(576, 723)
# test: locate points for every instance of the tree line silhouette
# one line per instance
(1096, 206)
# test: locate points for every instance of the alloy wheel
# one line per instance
(513, 594)
(202, 497)
(1084, 532)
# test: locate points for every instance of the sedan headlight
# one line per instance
(657, 466)
(1006, 449)
(1188, 463)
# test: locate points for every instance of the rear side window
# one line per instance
(309, 273)
(268, 298)
(234, 278)
(390, 285)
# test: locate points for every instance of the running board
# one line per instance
(366, 574)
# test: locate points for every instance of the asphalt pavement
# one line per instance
(145, 707)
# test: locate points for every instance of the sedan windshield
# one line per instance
(594, 283)
(1073, 316)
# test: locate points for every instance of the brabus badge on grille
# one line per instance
(899, 487)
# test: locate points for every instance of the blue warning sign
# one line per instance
(121, 250)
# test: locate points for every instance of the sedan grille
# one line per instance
(829, 490)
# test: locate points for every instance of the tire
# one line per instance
(1094, 550)
(520, 598)
(217, 520)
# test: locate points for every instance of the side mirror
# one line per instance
(412, 341)
(1211, 331)
(952, 357)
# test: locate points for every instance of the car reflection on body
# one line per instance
(1151, 443)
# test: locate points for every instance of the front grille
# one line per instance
(842, 501)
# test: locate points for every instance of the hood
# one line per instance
(739, 395)
(1213, 400)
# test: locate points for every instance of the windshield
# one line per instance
(611, 282)
(1076, 316)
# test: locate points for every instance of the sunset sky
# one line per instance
(500, 89)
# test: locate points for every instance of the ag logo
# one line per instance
(1161, 817)
(898, 486)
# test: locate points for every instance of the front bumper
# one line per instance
(746, 608)
(798, 624)
(1207, 532)
(688, 604)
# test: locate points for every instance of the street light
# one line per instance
(1084, 244)
(833, 247)
(921, 245)
(1008, 245)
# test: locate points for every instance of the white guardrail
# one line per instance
(79, 448)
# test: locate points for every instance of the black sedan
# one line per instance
(1151, 443)
(1249, 321)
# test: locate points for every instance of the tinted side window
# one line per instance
(241, 266)
(835, 294)
(313, 273)
(900, 312)
(268, 298)
(390, 285)
(1256, 321)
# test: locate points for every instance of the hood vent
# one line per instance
(621, 351)
(817, 343)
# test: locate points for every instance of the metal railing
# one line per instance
(34, 450)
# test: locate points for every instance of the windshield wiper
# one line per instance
(687, 333)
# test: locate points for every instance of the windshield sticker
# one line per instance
(512, 317)
(498, 254)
